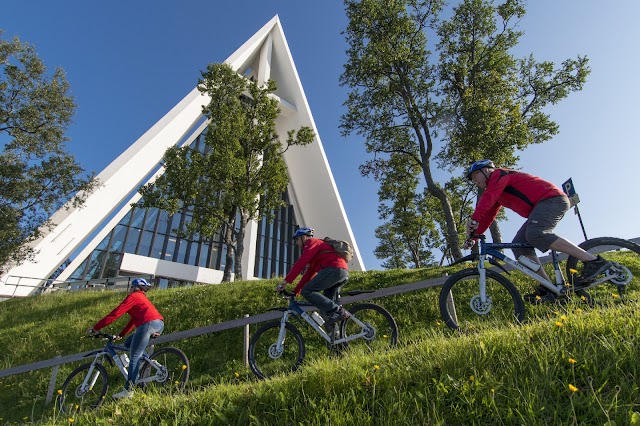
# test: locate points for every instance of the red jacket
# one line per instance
(517, 191)
(318, 255)
(139, 308)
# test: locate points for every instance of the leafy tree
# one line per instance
(37, 174)
(475, 101)
(239, 175)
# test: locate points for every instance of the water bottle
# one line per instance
(317, 318)
(124, 359)
(528, 263)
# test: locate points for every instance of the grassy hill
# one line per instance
(504, 374)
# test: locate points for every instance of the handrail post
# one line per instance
(245, 346)
(52, 383)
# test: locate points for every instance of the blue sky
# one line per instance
(129, 63)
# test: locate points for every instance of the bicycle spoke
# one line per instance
(168, 370)
(380, 331)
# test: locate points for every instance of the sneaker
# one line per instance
(541, 295)
(339, 315)
(125, 393)
(592, 269)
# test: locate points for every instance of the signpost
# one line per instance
(570, 190)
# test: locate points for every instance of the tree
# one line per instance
(37, 174)
(476, 101)
(239, 174)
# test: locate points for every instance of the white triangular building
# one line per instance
(109, 238)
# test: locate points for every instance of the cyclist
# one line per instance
(325, 271)
(542, 203)
(145, 317)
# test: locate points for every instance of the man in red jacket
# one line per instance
(145, 317)
(325, 271)
(542, 203)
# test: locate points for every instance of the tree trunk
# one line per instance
(229, 243)
(496, 235)
(240, 245)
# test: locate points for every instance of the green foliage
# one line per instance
(239, 171)
(37, 174)
(475, 100)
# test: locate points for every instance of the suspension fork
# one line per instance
(482, 272)
(92, 375)
(283, 330)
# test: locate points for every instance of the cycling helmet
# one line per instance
(478, 165)
(140, 283)
(302, 231)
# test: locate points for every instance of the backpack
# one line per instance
(342, 248)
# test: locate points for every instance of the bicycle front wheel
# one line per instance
(380, 330)
(461, 306)
(267, 358)
(167, 369)
(79, 394)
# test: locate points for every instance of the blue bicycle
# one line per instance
(479, 294)
(278, 346)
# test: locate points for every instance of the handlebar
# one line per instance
(98, 335)
(287, 294)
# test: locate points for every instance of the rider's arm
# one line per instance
(310, 249)
(127, 328)
(121, 309)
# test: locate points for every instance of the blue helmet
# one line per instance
(303, 231)
(141, 283)
(478, 165)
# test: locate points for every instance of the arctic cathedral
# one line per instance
(107, 238)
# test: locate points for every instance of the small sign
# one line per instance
(570, 190)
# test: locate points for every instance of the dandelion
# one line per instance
(563, 318)
(177, 383)
(59, 391)
(471, 378)
(70, 420)
(384, 336)
(615, 296)
(376, 367)
(77, 406)
(573, 271)
(184, 367)
(583, 298)
(572, 361)
(573, 388)
(538, 297)
(236, 374)
(558, 324)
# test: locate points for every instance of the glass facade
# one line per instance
(152, 233)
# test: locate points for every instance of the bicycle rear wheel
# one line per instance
(461, 307)
(75, 397)
(380, 332)
(609, 248)
(266, 359)
(169, 369)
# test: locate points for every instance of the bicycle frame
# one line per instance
(110, 352)
(295, 308)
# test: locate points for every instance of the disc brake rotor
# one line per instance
(478, 307)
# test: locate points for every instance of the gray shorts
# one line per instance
(537, 230)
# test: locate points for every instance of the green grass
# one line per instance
(497, 374)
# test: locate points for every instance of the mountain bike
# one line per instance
(278, 346)
(87, 385)
(479, 294)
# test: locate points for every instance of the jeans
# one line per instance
(325, 280)
(137, 343)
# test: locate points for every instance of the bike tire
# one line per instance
(174, 374)
(381, 331)
(464, 311)
(595, 246)
(264, 361)
(72, 400)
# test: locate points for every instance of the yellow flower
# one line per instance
(70, 420)
(77, 406)
(573, 388)
(573, 271)
(59, 391)
(538, 297)
(558, 324)
(236, 374)
(572, 361)
(615, 296)
(177, 382)
(583, 298)
(385, 336)
(184, 367)
(563, 318)
(376, 367)
(578, 310)
(471, 378)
